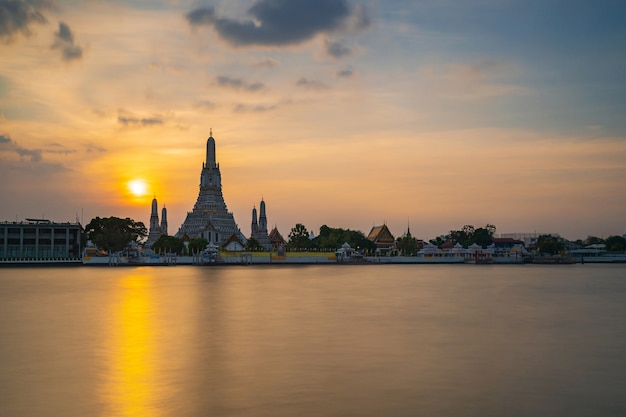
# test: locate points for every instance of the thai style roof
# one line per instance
(381, 236)
(276, 237)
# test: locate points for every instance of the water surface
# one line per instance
(396, 340)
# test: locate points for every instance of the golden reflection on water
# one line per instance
(130, 350)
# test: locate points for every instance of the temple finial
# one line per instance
(210, 131)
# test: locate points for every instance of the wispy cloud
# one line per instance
(311, 84)
(266, 63)
(346, 72)
(204, 105)
(337, 49)
(238, 83)
(90, 147)
(64, 40)
(254, 108)
(282, 22)
(128, 119)
(17, 16)
(9, 145)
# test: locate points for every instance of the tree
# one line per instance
(593, 240)
(168, 244)
(333, 238)
(548, 244)
(483, 236)
(299, 237)
(408, 245)
(615, 244)
(197, 244)
(468, 235)
(253, 244)
(114, 234)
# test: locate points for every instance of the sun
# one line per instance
(138, 188)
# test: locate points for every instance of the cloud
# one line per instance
(64, 40)
(90, 147)
(16, 16)
(346, 72)
(238, 83)
(311, 84)
(266, 63)
(9, 145)
(256, 108)
(337, 49)
(131, 120)
(282, 22)
(204, 105)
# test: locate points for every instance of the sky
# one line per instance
(428, 114)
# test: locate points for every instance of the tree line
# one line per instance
(114, 234)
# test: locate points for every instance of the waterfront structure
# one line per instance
(40, 239)
(529, 239)
(259, 229)
(156, 230)
(382, 237)
(164, 221)
(210, 218)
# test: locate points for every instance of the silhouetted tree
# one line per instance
(299, 237)
(168, 244)
(615, 244)
(197, 244)
(548, 244)
(253, 244)
(113, 233)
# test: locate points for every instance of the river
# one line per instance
(360, 340)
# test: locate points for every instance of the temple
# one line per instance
(156, 230)
(259, 229)
(210, 218)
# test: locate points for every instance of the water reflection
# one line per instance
(131, 350)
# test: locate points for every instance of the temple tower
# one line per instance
(254, 227)
(155, 230)
(263, 218)
(259, 231)
(210, 217)
(164, 221)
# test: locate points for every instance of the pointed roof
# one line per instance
(275, 236)
(380, 234)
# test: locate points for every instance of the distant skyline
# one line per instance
(433, 113)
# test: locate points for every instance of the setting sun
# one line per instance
(138, 188)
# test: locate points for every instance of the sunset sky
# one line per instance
(433, 113)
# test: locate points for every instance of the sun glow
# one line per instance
(138, 188)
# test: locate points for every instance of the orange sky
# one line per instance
(454, 130)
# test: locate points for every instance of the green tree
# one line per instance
(548, 244)
(593, 240)
(408, 245)
(468, 235)
(483, 236)
(615, 244)
(114, 234)
(299, 237)
(168, 244)
(197, 244)
(332, 238)
(253, 244)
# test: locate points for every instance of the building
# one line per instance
(529, 239)
(382, 237)
(259, 229)
(156, 230)
(210, 217)
(40, 239)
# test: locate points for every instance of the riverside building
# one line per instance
(40, 239)
(210, 218)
